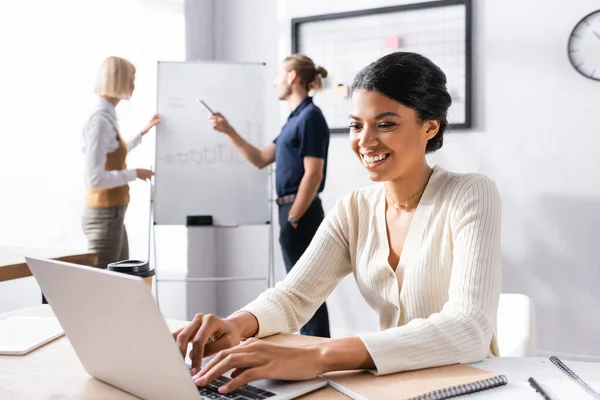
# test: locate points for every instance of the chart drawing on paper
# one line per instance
(222, 153)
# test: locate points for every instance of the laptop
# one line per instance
(121, 338)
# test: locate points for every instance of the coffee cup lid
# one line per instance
(145, 274)
(129, 266)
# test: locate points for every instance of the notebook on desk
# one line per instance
(575, 378)
(426, 384)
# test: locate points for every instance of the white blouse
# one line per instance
(99, 137)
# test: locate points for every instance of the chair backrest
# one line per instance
(516, 326)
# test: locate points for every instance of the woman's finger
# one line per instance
(217, 346)
(186, 334)
(243, 378)
(204, 334)
(210, 349)
(177, 332)
(231, 361)
(236, 372)
(220, 356)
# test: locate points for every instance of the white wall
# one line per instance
(536, 135)
(536, 138)
(199, 29)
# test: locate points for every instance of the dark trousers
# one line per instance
(293, 244)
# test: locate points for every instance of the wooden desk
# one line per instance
(54, 371)
(13, 265)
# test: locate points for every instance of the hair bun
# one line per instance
(322, 71)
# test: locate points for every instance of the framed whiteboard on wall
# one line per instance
(344, 43)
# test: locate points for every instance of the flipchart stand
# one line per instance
(152, 252)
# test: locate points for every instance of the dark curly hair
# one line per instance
(414, 81)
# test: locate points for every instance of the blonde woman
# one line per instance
(300, 154)
(106, 173)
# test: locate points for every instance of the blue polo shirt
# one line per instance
(304, 134)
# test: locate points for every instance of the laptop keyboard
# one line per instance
(246, 392)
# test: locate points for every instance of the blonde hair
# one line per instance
(114, 78)
(309, 74)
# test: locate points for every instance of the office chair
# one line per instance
(516, 326)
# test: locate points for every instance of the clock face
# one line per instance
(584, 46)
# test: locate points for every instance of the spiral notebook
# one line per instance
(425, 384)
(574, 377)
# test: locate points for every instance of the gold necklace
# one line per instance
(398, 205)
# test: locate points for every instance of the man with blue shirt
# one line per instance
(300, 156)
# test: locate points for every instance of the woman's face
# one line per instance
(388, 137)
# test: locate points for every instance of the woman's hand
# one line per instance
(258, 359)
(144, 174)
(153, 122)
(220, 123)
(209, 334)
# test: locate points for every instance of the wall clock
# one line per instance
(584, 46)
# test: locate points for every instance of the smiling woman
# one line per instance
(424, 250)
